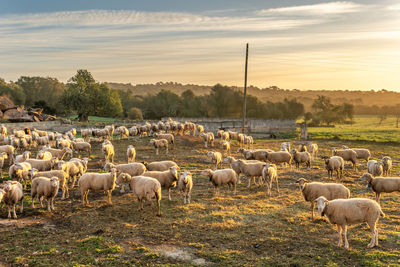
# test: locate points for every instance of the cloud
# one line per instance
(321, 9)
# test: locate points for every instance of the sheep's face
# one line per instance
(108, 167)
(174, 172)
(32, 173)
(206, 172)
(301, 183)
(122, 178)
(322, 202)
(228, 160)
(54, 182)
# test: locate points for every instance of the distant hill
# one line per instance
(275, 94)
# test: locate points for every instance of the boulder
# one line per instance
(6, 103)
(13, 113)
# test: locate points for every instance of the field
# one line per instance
(248, 228)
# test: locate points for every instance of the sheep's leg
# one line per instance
(21, 209)
(234, 188)
(339, 229)
(63, 193)
(312, 210)
(277, 186)
(249, 182)
(184, 199)
(346, 242)
(13, 210)
(83, 198)
(377, 196)
(49, 204)
(9, 211)
(254, 180)
(109, 196)
(41, 201)
(169, 194)
(268, 189)
(374, 235)
(156, 151)
(189, 196)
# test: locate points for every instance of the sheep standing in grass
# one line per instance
(20, 172)
(235, 165)
(42, 165)
(133, 169)
(145, 188)
(362, 153)
(386, 165)
(3, 156)
(249, 141)
(131, 154)
(161, 143)
(167, 178)
(44, 155)
(86, 134)
(252, 170)
(332, 164)
(44, 187)
(97, 182)
(200, 129)
(81, 147)
(347, 155)
(208, 138)
(279, 157)
(343, 212)
(13, 194)
(221, 177)
(61, 175)
(301, 157)
(72, 168)
(313, 149)
(381, 185)
(58, 153)
(270, 175)
(10, 152)
(108, 151)
(185, 184)
(122, 131)
(160, 165)
(169, 137)
(375, 168)
(311, 191)
(226, 147)
(215, 158)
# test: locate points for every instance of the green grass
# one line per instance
(95, 119)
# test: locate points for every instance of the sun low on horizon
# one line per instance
(307, 45)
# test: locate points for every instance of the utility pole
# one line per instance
(245, 90)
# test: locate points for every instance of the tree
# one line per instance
(87, 97)
(329, 113)
(135, 114)
(14, 91)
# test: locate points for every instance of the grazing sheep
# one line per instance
(44, 155)
(161, 143)
(185, 184)
(311, 191)
(167, 178)
(108, 151)
(59, 153)
(221, 177)
(249, 141)
(86, 134)
(83, 162)
(252, 170)
(375, 168)
(200, 129)
(72, 168)
(301, 157)
(44, 187)
(42, 140)
(381, 185)
(13, 194)
(10, 152)
(226, 147)
(131, 154)
(97, 182)
(279, 157)
(208, 138)
(270, 175)
(42, 165)
(343, 212)
(255, 154)
(215, 158)
(3, 156)
(133, 131)
(133, 169)
(145, 188)
(313, 149)
(60, 174)
(169, 137)
(40, 133)
(160, 165)
(303, 148)
(387, 165)
(362, 153)
(122, 131)
(20, 171)
(347, 155)
(235, 165)
(81, 146)
(240, 139)
(332, 164)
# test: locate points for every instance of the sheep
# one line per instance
(208, 138)
(167, 178)
(81, 146)
(86, 134)
(131, 154)
(221, 177)
(42, 165)
(45, 187)
(362, 153)
(12, 194)
(285, 146)
(20, 172)
(301, 157)
(72, 168)
(10, 152)
(279, 157)
(83, 162)
(225, 136)
(375, 168)
(59, 153)
(311, 191)
(61, 143)
(145, 188)
(343, 212)
(235, 165)
(169, 137)
(40, 133)
(381, 185)
(200, 129)
(387, 165)
(249, 141)
(252, 170)
(347, 155)
(97, 182)
(60, 174)
(303, 148)
(159, 165)
(44, 155)
(42, 140)
(240, 139)
(160, 144)
(226, 147)
(133, 169)
(110, 130)
(255, 154)
(313, 149)
(215, 158)
(108, 151)
(3, 130)
(185, 184)
(270, 175)
(133, 131)
(122, 131)
(232, 135)
(3, 156)
(334, 163)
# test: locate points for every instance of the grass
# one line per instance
(248, 228)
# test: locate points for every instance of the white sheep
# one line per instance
(60, 174)
(270, 175)
(226, 147)
(160, 165)
(44, 187)
(301, 157)
(133, 169)
(215, 158)
(44, 155)
(81, 147)
(11, 195)
(221, 177)
(10, 152)
(208, 138)
(20, 171)
(381, 185)
(108, 151)
(375, 168)
(58, 153)
(343, 212)
(161, 143)
(131, 154)
(347, 155)
(167, 178)
(42, 165)
(185, 184)
(3, 156)
(332, 164)
(252, 170)
(387, 165)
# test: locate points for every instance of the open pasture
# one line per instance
(248, 228)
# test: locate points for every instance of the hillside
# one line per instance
(275, 94)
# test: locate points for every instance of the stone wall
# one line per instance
(44, 126)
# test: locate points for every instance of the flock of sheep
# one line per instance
(50, 171)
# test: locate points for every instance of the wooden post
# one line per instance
(245, 90)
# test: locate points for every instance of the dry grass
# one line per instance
(249, 228)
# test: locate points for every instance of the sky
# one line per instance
(329, 45)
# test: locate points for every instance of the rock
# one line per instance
(6, 102)
(13, 113)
